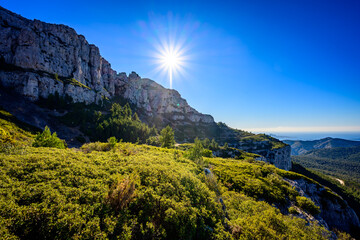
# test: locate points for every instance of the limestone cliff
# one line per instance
(38, 59)
(334, 210)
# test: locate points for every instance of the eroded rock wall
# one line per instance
(38, 59)
(334, 210)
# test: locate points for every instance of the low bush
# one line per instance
(307, 205)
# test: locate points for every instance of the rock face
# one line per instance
(334, 210)
(38, 59)
(279, 156)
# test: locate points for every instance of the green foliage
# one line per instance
(120, 123)
(207, 153)
(167, 137)
(196, 152)
(112, 141)
(258, 220)
(127, 191)
(75, 82)
(63, 193)
(46, 139)
(267, 140)
(293, 210)
(56, 76)
(258, 180)
(154, 141)
(13, 131)
(307, 205)
(95, 146)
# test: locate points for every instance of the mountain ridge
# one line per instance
(299, 147)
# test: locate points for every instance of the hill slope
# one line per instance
(341, 166)
(143, 192)
(301, 147)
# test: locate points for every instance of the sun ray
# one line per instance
(171, 59)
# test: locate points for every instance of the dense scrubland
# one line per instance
(121, 190)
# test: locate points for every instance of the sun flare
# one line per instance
(171, 62)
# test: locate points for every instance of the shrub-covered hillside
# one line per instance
(129, 191)
(140, 192)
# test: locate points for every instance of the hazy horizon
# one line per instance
(309, 136)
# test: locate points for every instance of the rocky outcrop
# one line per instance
(280, 157)
(334, 210)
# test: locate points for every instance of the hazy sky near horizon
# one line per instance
(256, 65)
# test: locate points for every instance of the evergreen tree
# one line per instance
(196, 152)
(167, 137)
(45, 139)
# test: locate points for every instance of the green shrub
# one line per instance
(68, 194)
(167, 137)
(112, 141)
(95, 146)
(207, 153)
(196, 152)
(153, 141)
(307, 205)
(75, 82)
(293, 210)
(46, 139)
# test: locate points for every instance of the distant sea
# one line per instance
(315, 136)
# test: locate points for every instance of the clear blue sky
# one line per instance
(265, 65)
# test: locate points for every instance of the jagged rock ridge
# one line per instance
(38, 59)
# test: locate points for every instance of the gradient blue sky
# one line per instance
(268, 66)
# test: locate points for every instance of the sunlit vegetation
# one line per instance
(307, 205)
(266, 139)
(71, 81)
(138, 191)
(46, 139)
(75, 82)
(167, 139)
(115, 189)
(14, 134)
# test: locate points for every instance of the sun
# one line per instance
(171, 61)
(171, 47)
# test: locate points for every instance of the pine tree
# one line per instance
(45, 139)
(167, 137)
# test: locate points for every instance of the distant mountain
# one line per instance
(302, 147)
